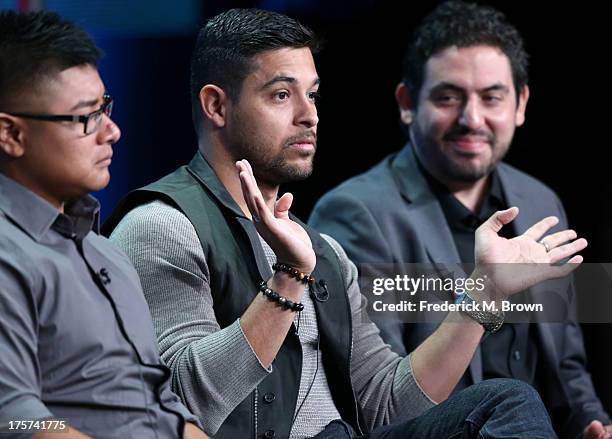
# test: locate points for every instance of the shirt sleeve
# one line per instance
(20, 374)
(164, 248)
(384, 383)
(172, 402)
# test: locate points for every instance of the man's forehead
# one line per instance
(74, 85)
(475, 66)
(295, 63)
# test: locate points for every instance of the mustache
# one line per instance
(459, 132)
(303, 137)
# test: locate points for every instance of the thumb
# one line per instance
(499, 219)
(282, 205)
(594, 430)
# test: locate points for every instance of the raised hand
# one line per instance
(495, 256)
(289, 240)
(596, 430)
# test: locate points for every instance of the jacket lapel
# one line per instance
(428, 217)
(529, 214)
(424, 209)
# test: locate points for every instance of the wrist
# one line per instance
(476, 306)
(484, 288)
(286, 285)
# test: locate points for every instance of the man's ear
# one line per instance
(404, 102)
(214, 101)
(522, 106)
(11, 136)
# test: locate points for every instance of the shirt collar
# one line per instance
(36, 216)
(456, 212)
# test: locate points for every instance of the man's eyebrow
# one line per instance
(446, 86)
(450, 86)
(279, 78)
(497, 87)
(289, 79)
(85, 104)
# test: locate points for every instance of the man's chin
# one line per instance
(286, 174)
(297, 175)
(467, 174)
(100, 182)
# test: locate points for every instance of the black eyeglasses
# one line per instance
(90, 121)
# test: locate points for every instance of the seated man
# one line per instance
(77, 343)
(259, 316)
(463, 92)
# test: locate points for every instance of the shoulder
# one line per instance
(336, 247)
(527, 185)
(345, 263)
(370, 189)
(154, 220)
(17, 249)
(157, 231)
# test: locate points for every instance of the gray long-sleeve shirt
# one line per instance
(164, 247)
(71, 348)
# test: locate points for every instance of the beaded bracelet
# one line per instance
(293, 272)
(281, 300)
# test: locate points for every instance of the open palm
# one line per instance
(497, 257)
(288, 239)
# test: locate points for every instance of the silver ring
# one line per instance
(541, 241)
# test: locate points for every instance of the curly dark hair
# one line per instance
(227, 43)
(36, 45)
(461, 24)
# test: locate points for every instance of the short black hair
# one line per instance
(36, 45)
(227, 43)
(461, 24)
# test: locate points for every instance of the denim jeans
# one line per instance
(498, 408)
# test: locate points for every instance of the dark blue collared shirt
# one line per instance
(76, 338)
(512, 352)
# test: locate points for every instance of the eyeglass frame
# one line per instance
(105, 108)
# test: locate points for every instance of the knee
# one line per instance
(507, 386)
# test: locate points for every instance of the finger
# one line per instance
(252, 183)
(567, 268)
(564, 251)
(541, 227)
(241, 166)
(594, 430)
(499, 219)
(264, 211)
(282, 206)
(575, 260)
(259, 209)
(556, 239)
(245, 184)
(248, 166)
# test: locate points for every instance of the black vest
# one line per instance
(237, 263)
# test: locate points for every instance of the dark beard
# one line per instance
(450, 169)
(273, 170)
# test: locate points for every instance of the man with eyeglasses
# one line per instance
(78, 352)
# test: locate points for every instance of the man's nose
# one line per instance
(471, 115)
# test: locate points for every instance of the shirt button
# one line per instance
(517, 355)
(269, 434)
(269, 397)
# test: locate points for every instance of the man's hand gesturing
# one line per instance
(289, 240)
